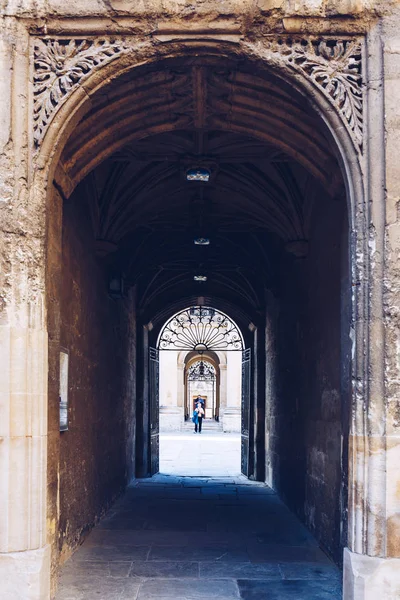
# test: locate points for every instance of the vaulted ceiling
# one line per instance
(270, 161)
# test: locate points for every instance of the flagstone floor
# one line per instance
(193, 538)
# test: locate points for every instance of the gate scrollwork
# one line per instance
(200, 328)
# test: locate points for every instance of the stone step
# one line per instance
(208, 424)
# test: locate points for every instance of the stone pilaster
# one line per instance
(391, 64)
(232, 374)
(171, 412)
(24, 554)
(372, 564)
(369, 578)
(180, 385)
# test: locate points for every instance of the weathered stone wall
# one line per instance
(392, 288)
(190, 10)
(96, 453)
(321, 347)
(304, 417)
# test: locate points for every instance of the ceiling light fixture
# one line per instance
(201, 241)
(198, 174)
(200, 278)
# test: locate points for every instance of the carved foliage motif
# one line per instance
(60, 65)
(333, 66)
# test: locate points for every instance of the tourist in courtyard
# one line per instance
(198, 416)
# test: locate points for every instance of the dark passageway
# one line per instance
(227, 204)
(197, 538)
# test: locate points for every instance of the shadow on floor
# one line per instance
(199, 539)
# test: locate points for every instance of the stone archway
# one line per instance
(212, 359)
(64, 111)
(200, 80)
(202, 381)
(209, 335)
(174, 392)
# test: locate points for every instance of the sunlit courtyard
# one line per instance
(201, 455)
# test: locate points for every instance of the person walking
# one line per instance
(198, 415)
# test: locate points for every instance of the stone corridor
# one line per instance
(192, 538)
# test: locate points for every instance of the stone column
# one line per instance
(372, 561)
(271, 388)
(222, 392)
(180, 385)
(24, 554)
(171, 417)
(234, 392)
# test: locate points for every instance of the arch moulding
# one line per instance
(62, 66)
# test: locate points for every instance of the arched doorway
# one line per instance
(205, 334)
(268, 221)
(258, 241)
(202, 380)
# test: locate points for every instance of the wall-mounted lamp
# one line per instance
(116, 287)
(200, 278)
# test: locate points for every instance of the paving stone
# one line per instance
(289, 590)
(286, 534)
(164, 569)
(99, 537)
(211, 589)
(284, 554)
(198, 553)
(310, 571)
(98, 568)
(243, 570)
(91, 587)
(112, 553)
(193, 482)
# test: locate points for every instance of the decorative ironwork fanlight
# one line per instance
(200, 328)
(202, 370)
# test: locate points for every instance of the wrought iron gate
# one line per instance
(154, 375)
(246, 407)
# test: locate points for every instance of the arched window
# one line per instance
(200, 328)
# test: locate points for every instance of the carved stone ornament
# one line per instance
(59, 66)
(333, 66)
